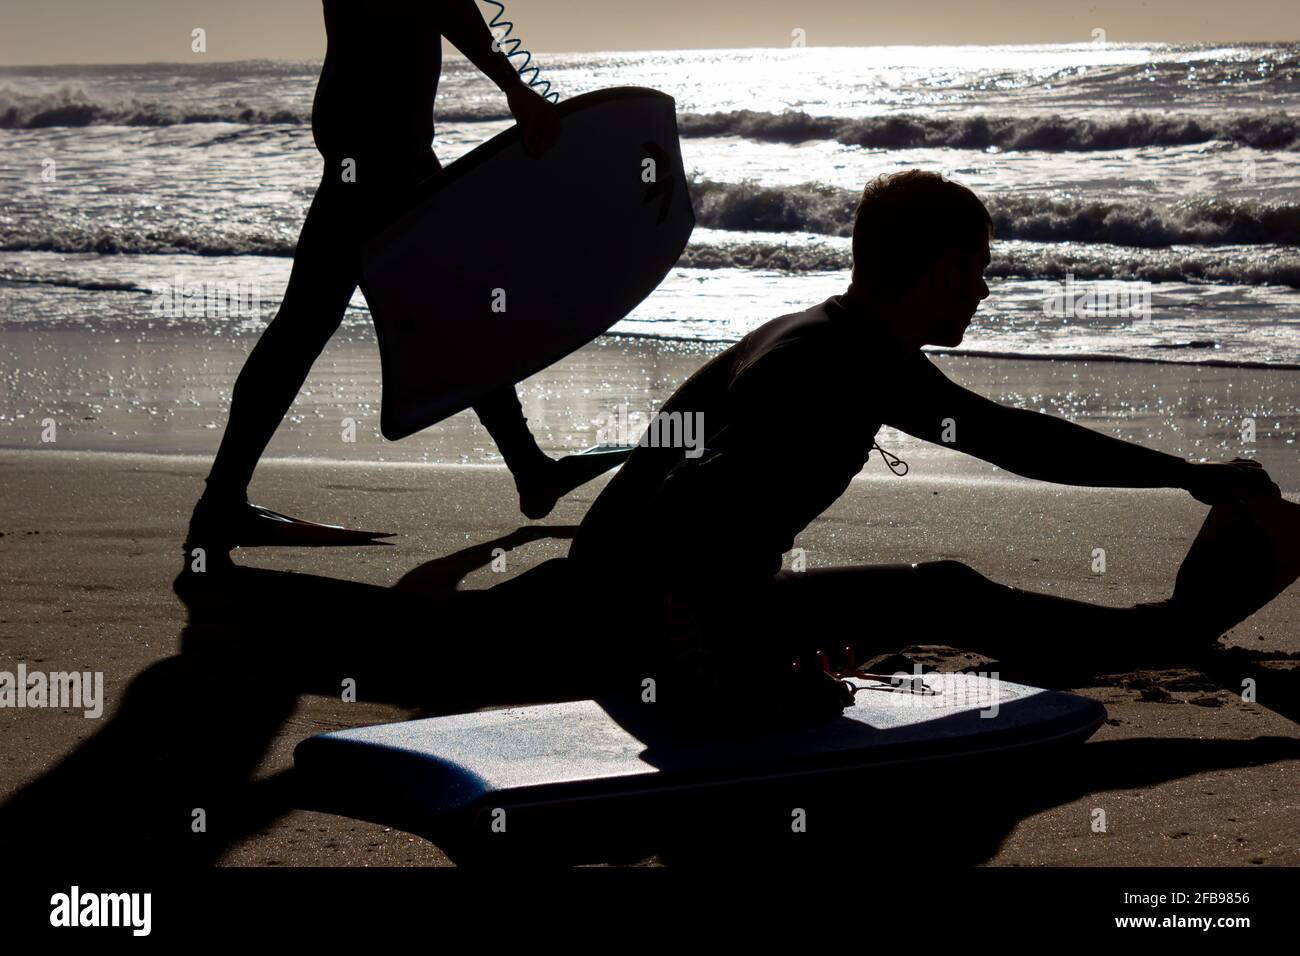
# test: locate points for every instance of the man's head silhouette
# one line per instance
(920, 247)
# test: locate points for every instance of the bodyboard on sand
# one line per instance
(429, 776)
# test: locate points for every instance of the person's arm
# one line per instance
(932, 407)
(464, 27)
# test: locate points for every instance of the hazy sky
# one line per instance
(127, 31)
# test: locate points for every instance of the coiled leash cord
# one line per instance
(892, 461)
(513, 46)
(896, 683)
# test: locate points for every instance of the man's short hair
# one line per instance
(907, 221)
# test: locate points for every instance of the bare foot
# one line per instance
(1243, 557)
(541, 488)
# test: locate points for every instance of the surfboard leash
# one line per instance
(892, 461)
(513, 47)
(908, 685)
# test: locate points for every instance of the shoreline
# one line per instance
(1087, 358)
(167, 393)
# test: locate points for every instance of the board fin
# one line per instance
(608, 448)
(260, 526)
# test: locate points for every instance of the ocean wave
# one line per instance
(1220, 266)
(69, 107)
(1041, 133)
(827, 210)
(766, 257)
(181, 239)
(1272, 130)
(72, 282)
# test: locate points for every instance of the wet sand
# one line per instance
(168, 392)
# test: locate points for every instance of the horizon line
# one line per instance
(455, 55)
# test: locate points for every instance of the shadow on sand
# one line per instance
(192, 730)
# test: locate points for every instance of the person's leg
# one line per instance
(883, 608)
(576, 651)
(502, 415)
(540, 479)
(321, 284)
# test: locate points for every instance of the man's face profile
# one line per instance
(949, 294)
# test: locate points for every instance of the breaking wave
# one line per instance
(69, 107)
(826, 210)
(1042, 133)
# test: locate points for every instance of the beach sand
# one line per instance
(1185, 772)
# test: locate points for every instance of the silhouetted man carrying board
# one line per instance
(372, 121)
(790, 415)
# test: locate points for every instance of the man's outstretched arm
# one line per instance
(1041, 446)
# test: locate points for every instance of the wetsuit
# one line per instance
(695, 544)
(374, 107)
